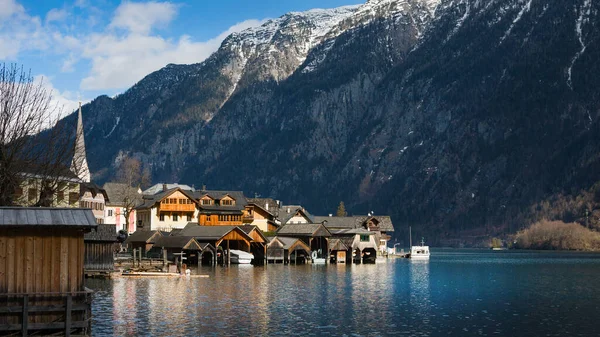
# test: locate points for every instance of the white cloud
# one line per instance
(57, 15)
(140, 18)
(61, 103)
(119, 62)
(9, 8)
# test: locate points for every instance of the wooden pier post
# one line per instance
(25, 317)
(133, 254)
(228, 254)
(164, 251)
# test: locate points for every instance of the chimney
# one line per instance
(165, 187)
(267, 206)
(330, 215)
(288, 210)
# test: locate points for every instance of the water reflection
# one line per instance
(453, 294)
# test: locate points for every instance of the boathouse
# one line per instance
(41, 270)
(195, 252)
(100, 249)
(143, 240)
(223, 238)
(286, 250)
(314, 235)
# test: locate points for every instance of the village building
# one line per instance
(121, 197)
(362, 233)
(294, 215)
(42, 270)
(314, 235)
(262, 212)
(281, 249)
(220, 208)
(160, 187)
(67, 189)
(144, 240)
(93, 197)
(169, 209)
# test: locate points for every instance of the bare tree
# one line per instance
(131, 178)
(33, 145)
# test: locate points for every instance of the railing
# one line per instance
(45, 313)
(177, 207)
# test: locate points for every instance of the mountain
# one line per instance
(462, 118)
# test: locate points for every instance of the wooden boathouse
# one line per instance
(41, 271)
(287, 250)
(100, 249)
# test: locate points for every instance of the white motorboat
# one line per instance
(240, 257)
(419, 252)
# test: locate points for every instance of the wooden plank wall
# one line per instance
(35, 261)
(99, 256)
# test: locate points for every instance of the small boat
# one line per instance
(316, 259)
(419, 252)
(240, 257)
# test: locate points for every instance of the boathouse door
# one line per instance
(341, 256)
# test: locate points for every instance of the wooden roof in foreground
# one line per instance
(47, 217)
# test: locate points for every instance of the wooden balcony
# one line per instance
(177, 208)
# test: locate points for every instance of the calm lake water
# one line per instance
(456, 293)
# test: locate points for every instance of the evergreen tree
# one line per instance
(341, 210)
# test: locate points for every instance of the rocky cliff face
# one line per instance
(452, 116)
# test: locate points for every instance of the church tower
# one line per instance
(79, 165)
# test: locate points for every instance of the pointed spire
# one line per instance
(79, 165)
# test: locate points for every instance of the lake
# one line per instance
(456, 293)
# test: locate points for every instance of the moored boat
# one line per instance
(420, 252)
(241, 257)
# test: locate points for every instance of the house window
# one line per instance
(73, 197)
(364, 238)
(162, 217)
(32, 194)
(110, 212)
(226, 202)
(189, 218)
(18, 192)
(206, 201)
(60, 196)
(175, 217)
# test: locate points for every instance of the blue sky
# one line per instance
(84, 48)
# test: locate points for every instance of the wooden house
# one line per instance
(287, 250)
(167, 210)
(262, 212)
(380, 226)
(143, 240)
(223, 238)
(195, 252)
(220, 208)
(41, 270)
(314, 235)
(100, 249)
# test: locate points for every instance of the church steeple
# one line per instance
(79, 165)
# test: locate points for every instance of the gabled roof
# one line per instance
(267, 204)
(47, 217)
(144, 237)
(288, 212)
(238, 196)
(335, 222)
(158, 188)
(338, 244)
(314, 230)
(149, 202)
(93, 189)
(210, 233)
(248, 229)
(288, 243)
(117, 193)
(181, 242)
(102, 233)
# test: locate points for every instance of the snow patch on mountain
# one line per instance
(525, 8)
(583, 18)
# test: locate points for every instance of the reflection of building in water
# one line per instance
(372, 288)
(125, 306)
